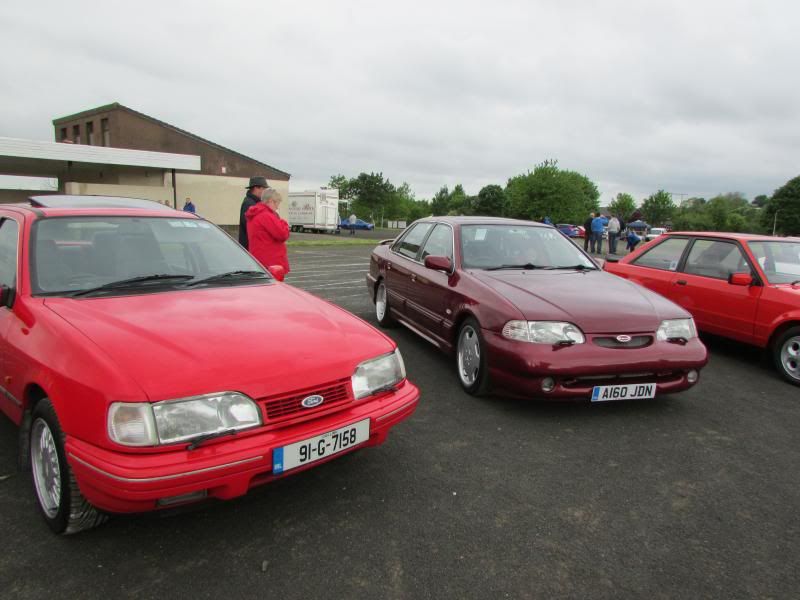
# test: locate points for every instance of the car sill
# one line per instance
(419, 333)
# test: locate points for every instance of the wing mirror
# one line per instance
(439, 263)
(743, 279)
(278, 272)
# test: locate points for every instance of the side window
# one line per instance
(717, 259)
(440, 243)
(664, 256)
(409, 244)
(9, 234)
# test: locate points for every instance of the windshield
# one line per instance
(74, 254)
(780, 260)
(499, 246)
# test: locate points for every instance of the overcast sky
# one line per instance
(696, 97)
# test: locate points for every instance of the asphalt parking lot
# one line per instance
(690, 496)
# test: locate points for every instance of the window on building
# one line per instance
(105, 131)
(90, 133)
(63, 134)
(76, 134)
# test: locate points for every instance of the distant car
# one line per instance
(526, 312)
(150, 361)
(654, 233)
(345, 224)
(569, 230)
(581, 231)
(744, 287)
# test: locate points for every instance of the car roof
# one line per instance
(62, 205)
(744, 237)
(464, 220)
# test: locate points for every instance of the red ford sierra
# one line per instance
(150, 361)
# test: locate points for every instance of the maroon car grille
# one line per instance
(288, 405)
(635, 341)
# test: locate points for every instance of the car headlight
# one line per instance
(543, 332)
(171, 421)
(676, 329)
(378, 374)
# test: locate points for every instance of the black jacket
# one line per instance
(249, 200)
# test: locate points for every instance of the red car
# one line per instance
(150, 361)
(744, 287)
(527, 312)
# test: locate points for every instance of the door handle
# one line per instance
(413, 277)
(681, 282)
(388, 266)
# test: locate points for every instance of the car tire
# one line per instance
(56, 490)
(383, 314)
(786, 353)
(471, 364)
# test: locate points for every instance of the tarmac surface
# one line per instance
(688, 496)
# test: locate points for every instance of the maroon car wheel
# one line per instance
(382, 310)
(471, 358)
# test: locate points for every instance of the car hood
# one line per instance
(595, 301)
(260, 340)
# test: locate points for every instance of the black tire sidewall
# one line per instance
(44, 410)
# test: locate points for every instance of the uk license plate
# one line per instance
(316, 448)
(631, 391)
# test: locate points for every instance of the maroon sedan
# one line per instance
(527, 312)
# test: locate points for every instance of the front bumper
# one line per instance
(519, 368)
(226, 468)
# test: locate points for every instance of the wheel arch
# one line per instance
(779, 331)
(33, 394)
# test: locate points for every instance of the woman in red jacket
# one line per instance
(267, 232)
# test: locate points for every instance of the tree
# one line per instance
(490, 202)
(564, 196)
(622, 206)
(760, 201)
(658, 208)
(373, 196)
(457, 202)
(440, 204)
(786, 203)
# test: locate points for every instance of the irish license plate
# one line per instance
(319, 447)
(632, 391)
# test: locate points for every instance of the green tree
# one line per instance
(373, 196)
(440, 204)
(564, 196)
(457, 203)
(622, 206)
(783, 209)
(760, 201)
(490, 202)
(658, 208)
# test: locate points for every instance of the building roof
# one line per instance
(12, 149)
(118, 106)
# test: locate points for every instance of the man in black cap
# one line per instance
(255, 189)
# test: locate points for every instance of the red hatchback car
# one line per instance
(150, 361)
(744, 287)
(528, 312)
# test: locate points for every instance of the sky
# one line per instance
(696, 98)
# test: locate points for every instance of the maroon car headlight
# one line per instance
(378, 374)
(544, 332)
(676, 329)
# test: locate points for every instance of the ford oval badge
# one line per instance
(312, 401)
(623, 339)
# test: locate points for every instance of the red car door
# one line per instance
(9, 254)
(702, 288)
(655, 267)
(401, 259)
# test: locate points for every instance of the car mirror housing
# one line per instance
(438, 263)
(743, 279)
(277, 271)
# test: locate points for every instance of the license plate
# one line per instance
(319, 447)
(632, 391)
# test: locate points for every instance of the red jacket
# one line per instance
(267, 234)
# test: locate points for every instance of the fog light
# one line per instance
(548, 384)
(692, 376)
(182, 499)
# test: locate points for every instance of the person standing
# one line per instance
(613, 234)
(352, 221)
(255, 190)
(267, 232)
(598, 225)
(189, 206)
(587, 232)
(633, 239)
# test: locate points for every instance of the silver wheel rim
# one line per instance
(469, 356)
(46, 467)
(380, 302)
(790, 357)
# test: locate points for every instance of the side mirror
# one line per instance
(6, 296)
(278, 272)
(744, 279)
(438, 263)
(612, 259)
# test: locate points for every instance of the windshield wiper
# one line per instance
(573, 268)
(229, 275)
(132, 281)
(525, 266)
(200, 439)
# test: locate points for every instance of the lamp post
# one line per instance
(775, 221)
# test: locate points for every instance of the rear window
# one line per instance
(665, 256)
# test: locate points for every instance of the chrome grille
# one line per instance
(636, 341)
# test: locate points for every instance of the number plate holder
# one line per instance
(304, 452)
(630, 391)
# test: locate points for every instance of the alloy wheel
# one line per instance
(469, 356)
(790, 357)
(46, 467)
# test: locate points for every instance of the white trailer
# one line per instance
(314, 210)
